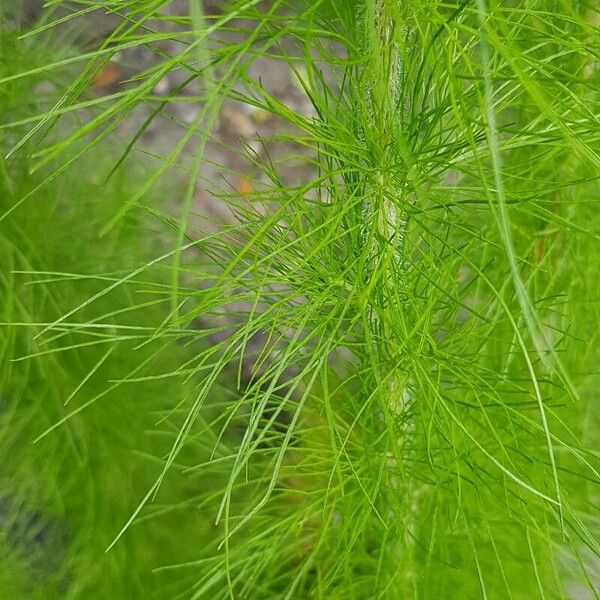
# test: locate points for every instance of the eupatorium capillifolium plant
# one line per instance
(379, 381)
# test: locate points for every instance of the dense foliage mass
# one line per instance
(378, 382)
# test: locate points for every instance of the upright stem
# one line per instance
(385, 230)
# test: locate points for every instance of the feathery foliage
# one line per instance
(379, 382)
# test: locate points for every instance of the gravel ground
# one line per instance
(240, 128)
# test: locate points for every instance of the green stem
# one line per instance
(386, 224)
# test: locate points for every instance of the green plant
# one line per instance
(391, 392)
